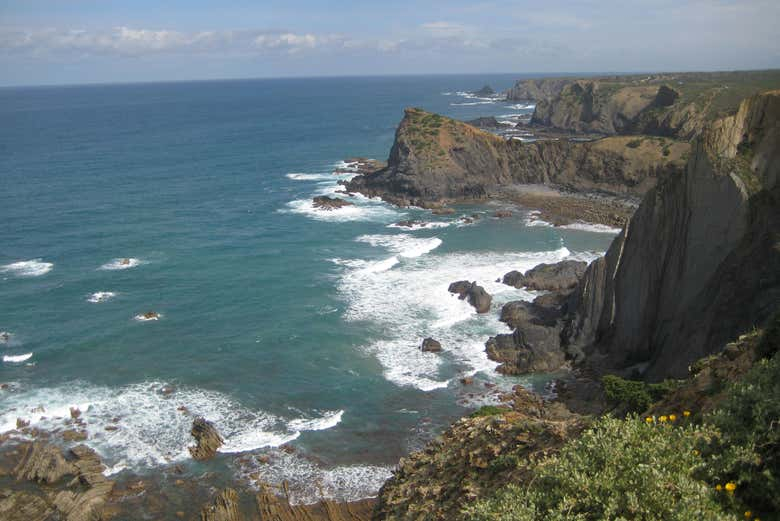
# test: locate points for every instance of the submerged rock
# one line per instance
(224, 508)
(329, 203)
(207, 439)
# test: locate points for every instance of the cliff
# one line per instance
(435, 158)
(537, 89)
(698, 262)
(673, 105)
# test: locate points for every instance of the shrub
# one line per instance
(488, 410)
(632, 394)
(618, 469)
(770, 340)
(748, 450)
(634, 143)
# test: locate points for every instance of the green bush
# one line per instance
(770, 341)
(632, 394)
(617, 470)
(488, 410)
(748, 450)
(634, 143)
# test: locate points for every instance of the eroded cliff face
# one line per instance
(537, 89)
(435, 158)
(700, 259)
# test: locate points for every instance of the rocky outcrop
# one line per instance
(698, 262)
(514, 278)
(555, 277)
(485, 91)
(224, 508)
(473, 293)
(72, 486)
(429, 345)
(537, 89)
(434, 159)
(475, 456)
(207, 439)
(324, 202)
(275, 508)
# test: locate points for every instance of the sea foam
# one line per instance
(404, 302)
(17, 359)
(152, 428)
(121, 264)
(101, 296)
(28, 268)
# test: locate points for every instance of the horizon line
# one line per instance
(525, 75)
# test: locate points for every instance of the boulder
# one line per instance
(207, 439)
(429, 345)
(484, 122)
(501, 214)
(563, 275)
(443, 211)
(476, 295)
(485, 91)
(324, 202)
(514, 278)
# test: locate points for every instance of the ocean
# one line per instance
(280, 323)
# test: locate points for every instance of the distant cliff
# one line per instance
(699, 261)
(675, 105)
(537, 89)
(435, 158)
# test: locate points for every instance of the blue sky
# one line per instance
(82, 41)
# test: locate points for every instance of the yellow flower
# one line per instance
(686, 413)
(748, 514)
(696, 453)
(731, 486)
(649, 419)
(662, 419)
(718, 487)
(672, 417)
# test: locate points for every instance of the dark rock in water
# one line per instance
(554, 277)
(476, 295)
(443, 211)
(467, 380)
(429, 345)
(514, 278)
(329, 203)
(75, 412)
(461, 288)
(207, 439)
(479, 298)
(485, 92)
(5, 337)
(224, 508)
(410, 223)
(501, 214)
(22, 423)
(74, 435)
(484, 122)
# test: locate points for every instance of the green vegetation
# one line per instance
(634, 143)
(635, 395)
(618, 469)
(488, 410)
(747, 452)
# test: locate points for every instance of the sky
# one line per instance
(104, 41)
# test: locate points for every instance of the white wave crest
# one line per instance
(532, 219)
(152, 428)
(403, 244)
(28, 268)
(101, 296)
(17, 359)
(121, 264)
(296, 176)
(308, 482)
(410, 302)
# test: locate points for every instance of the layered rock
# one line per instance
(434, 159)
(429, 345)
(207, 439)
(224, 508)
(700, 259)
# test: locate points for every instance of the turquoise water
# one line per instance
(278, 322)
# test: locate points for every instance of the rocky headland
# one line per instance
(437, 160)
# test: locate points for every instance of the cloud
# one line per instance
(127, 41)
